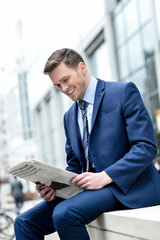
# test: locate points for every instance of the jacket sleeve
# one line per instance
(138, 124)
(72, 162)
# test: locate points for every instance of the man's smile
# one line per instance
(70, 91)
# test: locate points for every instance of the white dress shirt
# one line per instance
(89, 98)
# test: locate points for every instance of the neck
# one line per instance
(88, 79)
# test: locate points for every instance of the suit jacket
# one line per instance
(122, 143)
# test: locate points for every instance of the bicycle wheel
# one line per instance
(6, 227)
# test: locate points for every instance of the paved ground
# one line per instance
(27, 205)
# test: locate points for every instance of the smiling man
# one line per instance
(73, 83)
(109, 143)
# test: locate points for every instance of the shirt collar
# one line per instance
(90, 92)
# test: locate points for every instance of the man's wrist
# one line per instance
(107, 178)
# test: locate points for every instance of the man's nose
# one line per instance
(64, 87)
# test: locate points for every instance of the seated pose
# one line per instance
(110, 144)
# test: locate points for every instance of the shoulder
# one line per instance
(119, 85)
(116, 87)
(71, 110)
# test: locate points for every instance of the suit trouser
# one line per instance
(67, 217)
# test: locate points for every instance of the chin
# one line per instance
(73, 98)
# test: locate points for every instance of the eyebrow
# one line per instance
(63, 78)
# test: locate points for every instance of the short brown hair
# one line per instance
(69, 57)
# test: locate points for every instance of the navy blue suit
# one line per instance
(122, 144)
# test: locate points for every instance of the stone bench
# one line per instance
(142, 224)
(135, 224)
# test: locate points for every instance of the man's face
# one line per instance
(71, 82)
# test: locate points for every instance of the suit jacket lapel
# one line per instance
(98, 98)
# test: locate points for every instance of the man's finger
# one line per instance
(49, 194)
(78, 177)
(38, 187)
(52, 197)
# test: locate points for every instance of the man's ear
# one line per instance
(82, 68)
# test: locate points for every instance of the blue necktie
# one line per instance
(86, 135)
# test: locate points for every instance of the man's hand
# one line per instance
(92, 181)
(46, 193)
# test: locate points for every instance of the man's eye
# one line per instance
(58, 86)
(65, 80)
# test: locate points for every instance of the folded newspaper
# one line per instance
(56, 178)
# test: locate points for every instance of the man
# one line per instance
(109, 143)
(17, 193)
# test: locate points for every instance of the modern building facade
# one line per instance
(119, 41)
(123, 45)
(3, 135)
(136, 49)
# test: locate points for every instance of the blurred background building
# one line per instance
(119, 40)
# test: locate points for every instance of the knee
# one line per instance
(62, 214)
(19, 221)
(22, 219)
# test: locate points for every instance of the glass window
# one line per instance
(40, 133)
(148, 43)
(123, 62)
(14, 124)
(157, 7)
(24, 101)
(131, 17)
(145, 10)
(119, 28)
(139, 78)
(148, 50)
(49, 134)
(151, 72)
(100, 62)
(135, 52)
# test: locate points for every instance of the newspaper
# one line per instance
(56, 178)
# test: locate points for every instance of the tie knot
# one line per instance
(82, 105)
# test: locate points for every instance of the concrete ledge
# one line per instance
(143, 223)
(135, 224)
(53, 236)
